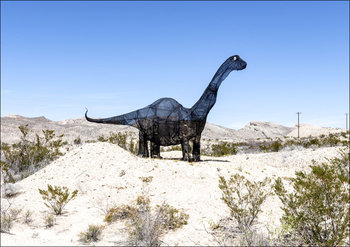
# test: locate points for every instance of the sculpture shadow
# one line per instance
(180, 159)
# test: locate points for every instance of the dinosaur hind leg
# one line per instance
(143, 146)
(155, 150)
(186, 151)
(197, 148)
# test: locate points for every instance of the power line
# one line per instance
(298, 123)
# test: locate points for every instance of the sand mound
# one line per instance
(95, 170)
(306, 130)
(254, 130)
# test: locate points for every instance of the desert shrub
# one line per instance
(49, 220)
(271, 147)
(115, 138)
(120, 213)
(333, 140)
(8, 216)
(345, 143)
(27, 217)
(92, 234)
(344, 134)
(144, 225)
(244, 199)
(276, 146)
(133, 146)
(77, 141)
(311, 142)
(6, 222)
(91, 141)
(172, 218)
(121, 140)
(57, 197)
(146, 179)
(145, 229)
(317, 210)
(174, 148)
(223, 148)
(27, 156)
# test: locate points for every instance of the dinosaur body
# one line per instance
(166, 122)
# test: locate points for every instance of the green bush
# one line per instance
(57, 197)
(27, 156)
(144, 225)
(331, 140)
(146, 179)
(145, 228)
(115, 138)
(317, 211)
(172, 218)
(8, 216)
(172, 148)
(77, 141)
(49, 220)
(121, 140)
(92, 234)
(6, 222)
(120, 213)
(244, 199)
(311, 142)
(27, 217)
(272, 147)
(223, 148)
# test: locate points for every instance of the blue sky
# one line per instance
(115, 57)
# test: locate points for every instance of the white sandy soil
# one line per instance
(94, 169)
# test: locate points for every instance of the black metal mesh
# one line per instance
(166, 122)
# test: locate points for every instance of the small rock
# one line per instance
(122, 173)
(11, 189)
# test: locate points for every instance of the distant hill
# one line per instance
(74, 128)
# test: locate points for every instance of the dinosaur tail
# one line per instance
(122, 119)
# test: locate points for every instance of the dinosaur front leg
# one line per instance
(186, 151)
(155, 150)
(143, 146)
(197, 148)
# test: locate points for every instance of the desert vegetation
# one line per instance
(25, 157)
(92, 234)
(244, 199)
(317, 210)
(49, 220)
(9, 214)
(56, 198)
(124, 140)
(223, 148)
(315, 201)
(145, 226)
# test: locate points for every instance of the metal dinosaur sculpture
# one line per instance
(166, 122)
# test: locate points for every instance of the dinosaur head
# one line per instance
(236, 63)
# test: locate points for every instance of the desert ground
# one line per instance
(105, 175)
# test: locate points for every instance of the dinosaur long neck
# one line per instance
(202, 107)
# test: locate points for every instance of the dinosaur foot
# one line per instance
(142, 156)
(189, 159)
(196, 158)
(156, 157)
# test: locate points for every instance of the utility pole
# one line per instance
(346, 126)
(298, 123)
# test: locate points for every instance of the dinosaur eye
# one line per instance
(234, 58)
